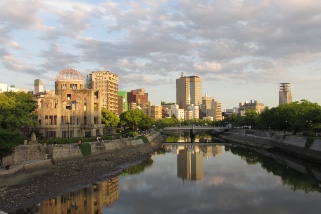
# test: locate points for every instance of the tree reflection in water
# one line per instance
(299, 178)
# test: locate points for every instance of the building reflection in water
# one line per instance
(190, 160)
(86, 200)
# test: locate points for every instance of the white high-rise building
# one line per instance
(285, 93)
(38, 86)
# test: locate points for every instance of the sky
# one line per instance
(242, 49)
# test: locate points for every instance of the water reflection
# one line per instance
(229, 179)
(190, 159)
(295, 173)
(90, 199)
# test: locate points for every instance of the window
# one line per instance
(68, 96)
(95, 106)
(46, 120)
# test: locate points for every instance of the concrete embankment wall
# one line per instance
(273, 138)
(25, 153)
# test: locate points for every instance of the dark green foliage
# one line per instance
(16, 112)
(8, 138)
(144, 138)
(85, 148)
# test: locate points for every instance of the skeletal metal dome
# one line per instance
(69, 74)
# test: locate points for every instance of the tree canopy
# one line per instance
(296, 116)
(134, 119)
(109, 118)
(16, 112)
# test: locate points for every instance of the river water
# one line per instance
(210, 178)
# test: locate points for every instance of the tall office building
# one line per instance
(106, 83)
(285, 93)
(188, 91)
(38, 86)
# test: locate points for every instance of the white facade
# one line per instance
(179, 114)
(174, 109)
(192, 112)
(3, 87)
(13, 89)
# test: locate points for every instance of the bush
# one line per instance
(144, 138)
(308, 133)
(85, 148)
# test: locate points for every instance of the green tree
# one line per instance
(251, 117)
(145, 123)
(133, 119)
(109, 118)
(16, 112)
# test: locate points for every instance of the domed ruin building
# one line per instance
(70, 111)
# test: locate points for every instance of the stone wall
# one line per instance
(268, 137)
(295, 141)
(42, 152)
(316, 146)
(25, 153)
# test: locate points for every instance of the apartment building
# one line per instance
(138, 96)
(106, 83)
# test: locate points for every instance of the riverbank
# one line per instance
(42, 181)
(306, 148)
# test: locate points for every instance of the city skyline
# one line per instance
(242, 50)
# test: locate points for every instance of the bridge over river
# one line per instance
(194, 128)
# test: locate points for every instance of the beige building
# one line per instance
(106, 83)
(211, 108)
(192, 112)
(285, 93)
(188, 91)
(154, 112)
(258, 107)
(72, 111)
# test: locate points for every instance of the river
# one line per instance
(199, 179)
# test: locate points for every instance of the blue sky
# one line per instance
(241, 49)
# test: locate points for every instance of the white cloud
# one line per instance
(208, 66)
(232, 42)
